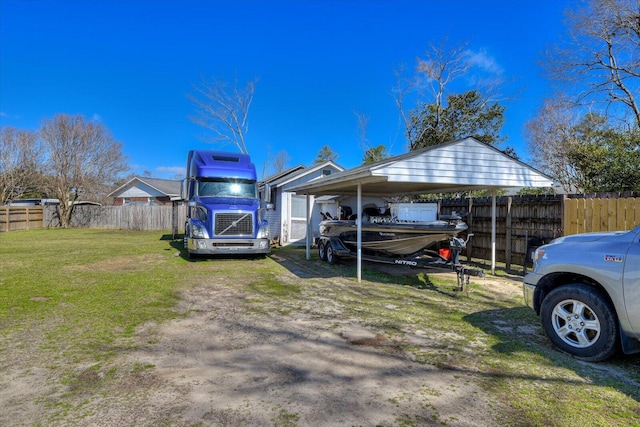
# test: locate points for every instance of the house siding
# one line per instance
(274, 218)
(296, 228)
(161, 201)
(281, 225)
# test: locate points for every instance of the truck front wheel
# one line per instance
(580, 321)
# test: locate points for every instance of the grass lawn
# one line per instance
(77, 298)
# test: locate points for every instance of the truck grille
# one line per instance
(233, 224)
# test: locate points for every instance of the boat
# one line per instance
(405, 229)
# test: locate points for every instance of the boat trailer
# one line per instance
(331, 249)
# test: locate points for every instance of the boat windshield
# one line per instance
(227, 188)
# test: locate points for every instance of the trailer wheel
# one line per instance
(322, 250)
(332, 258)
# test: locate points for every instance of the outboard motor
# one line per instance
(456, 245)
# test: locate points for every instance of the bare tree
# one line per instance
(602, 56)
(280, 161)
(363, 125)
(438, 69)
(550, 137)
(82, 159)
(371, 154)
(401, 91)
(433, 73)
(274, 164)
(224, 110)
(428, 90)
(20, 163)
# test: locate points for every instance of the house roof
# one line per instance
(297, 172)
(278, 176)
(167, 187)
(462, 165)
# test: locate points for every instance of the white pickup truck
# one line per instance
(586, 289)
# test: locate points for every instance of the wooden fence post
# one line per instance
(470, 227)
(508, 234)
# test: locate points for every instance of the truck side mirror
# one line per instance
(183, 189)
(267, 195)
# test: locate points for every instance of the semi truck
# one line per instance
(224, 212)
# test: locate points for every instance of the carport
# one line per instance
(463, 165)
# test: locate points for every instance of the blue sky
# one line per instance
(131, 64)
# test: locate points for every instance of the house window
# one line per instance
(298, 206)
(326, 172)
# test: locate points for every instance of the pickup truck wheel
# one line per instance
(332, 258)
(322, 250)
(580, 321)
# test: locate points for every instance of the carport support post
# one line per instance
(309, 231)
(359, 232)
(493, 232)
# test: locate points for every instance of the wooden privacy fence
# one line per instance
(20, 217)
(585, 215)
(525, 222)
(521, 223)
(136, 217)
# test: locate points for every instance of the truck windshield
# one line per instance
(227, 188)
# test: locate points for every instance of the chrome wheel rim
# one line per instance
(576, 323)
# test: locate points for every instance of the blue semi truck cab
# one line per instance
(224, 213)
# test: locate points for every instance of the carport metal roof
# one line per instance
(463, 165)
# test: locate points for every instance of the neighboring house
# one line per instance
(150, 191)
(49, 202)
(34, 202)
(287, 223)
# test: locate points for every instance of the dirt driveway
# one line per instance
(306, 362)
(307, 366)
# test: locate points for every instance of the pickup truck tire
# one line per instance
(580, 321)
